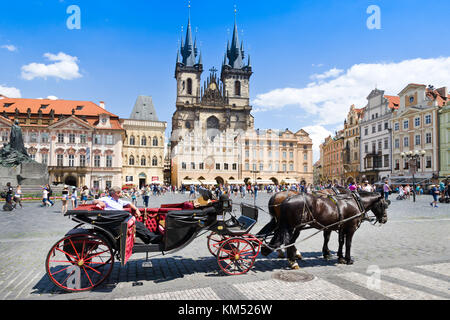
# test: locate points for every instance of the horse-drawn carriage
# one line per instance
(85, 256)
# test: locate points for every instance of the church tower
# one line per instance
(188, 70)
(236, 73)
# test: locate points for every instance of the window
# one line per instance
(417, 122)
(284, 154)
(397, 143)
(71, 138)
(192, 165)
(108, 184)
(379, 145)
(201, 166)
(373, 129)
(59, 160)
(247, 166)
(71, 160)
(366, 131)
(428, 137)
(183, 165)
(417, 140)
(33, 137)
(143, 162)
(261, 166)
(155, 141)
(291, 167)
(237, 88)
(305, 156)
(366, 148)
(128, 178)
(386, 143)
(44, 158)
(5, 136)
(428, 164)
(97, 161)
(396, 126)
(406, 142)
(217, 166)
(82, 160)
(60, 137)
(305, 168)
(189, 86)
(291, 155)
(284, 166)
(132, 141)
(386, 126)
(82, 138)
(234, 166)
(131, 161)
(109, 139)
(379, 127)
(428, 119)
(386, 160)
(155, 162)
(405, 124)
(97, 139)
(225, 166)
(397, 164)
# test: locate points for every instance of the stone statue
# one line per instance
(14, 153)
(16, 138)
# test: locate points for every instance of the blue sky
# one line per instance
(128, 48)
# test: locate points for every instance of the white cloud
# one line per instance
(318, 134)
(52, 98)
(9, 47)
(10, 92)
(329, 99)
(64, 67)
(332, 73)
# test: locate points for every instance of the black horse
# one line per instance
(343, 213)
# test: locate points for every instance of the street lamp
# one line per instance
(412, 158)
(255, 172)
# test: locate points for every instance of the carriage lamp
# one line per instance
(413, 157)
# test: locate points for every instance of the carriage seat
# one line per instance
(243, 226)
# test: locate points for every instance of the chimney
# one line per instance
(102, 104)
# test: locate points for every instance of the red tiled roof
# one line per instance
(65, 107)
(394, 101)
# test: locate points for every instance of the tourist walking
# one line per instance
(386, 190)
(74, 197)
(18, 197)
(45, 201)
(84, 195)
(65, 199)
(146, 195)
(434, 193)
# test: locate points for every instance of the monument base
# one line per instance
(29, 175)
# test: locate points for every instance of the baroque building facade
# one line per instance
(79, 141)
(415, 127)
(351, 145)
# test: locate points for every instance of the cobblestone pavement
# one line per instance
(407, 258)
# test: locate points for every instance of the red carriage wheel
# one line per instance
(236, 256)
(79, 262)
(214, 241)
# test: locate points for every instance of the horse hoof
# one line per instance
(327, 256)
(299, 256)
(342, 261)
(294, 265)
(349, 261)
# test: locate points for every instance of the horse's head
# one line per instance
(379, 208)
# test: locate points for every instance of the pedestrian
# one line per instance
(45, 201)
(50, 194)
(146, 195)
(65, 199)
(9, 196)
(74, 197)
(434, 193)
(386, 190)
(18, 197)
(84, 195)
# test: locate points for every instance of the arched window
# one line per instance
(154, 161)
(237, 88)
(131, 161)
(155, 141)
(143, 141)
(189, 86)
(132, 141)
(143, 162)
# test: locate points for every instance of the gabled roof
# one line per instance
(394, 101)
(144, 109)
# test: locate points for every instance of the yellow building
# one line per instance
(143, 146)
